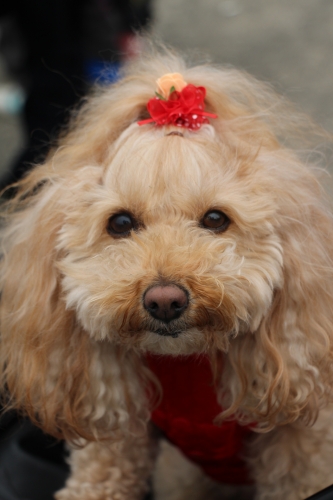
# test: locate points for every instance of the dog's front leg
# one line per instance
(109, 471)
(294, 461)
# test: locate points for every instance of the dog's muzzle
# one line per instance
(165, 303)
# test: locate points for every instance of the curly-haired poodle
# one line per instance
(170, 266)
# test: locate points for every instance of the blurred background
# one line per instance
(286, 42)
(51, 52)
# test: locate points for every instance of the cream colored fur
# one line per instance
(74, 331)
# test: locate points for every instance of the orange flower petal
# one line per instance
(169, 80)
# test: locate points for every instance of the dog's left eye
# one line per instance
(120, 225)
(216, 221)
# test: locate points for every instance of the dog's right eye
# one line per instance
(120, 225)
(216, 221)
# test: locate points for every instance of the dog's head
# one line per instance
(173, 247)
(134, 239)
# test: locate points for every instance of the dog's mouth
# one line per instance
(205, 321)
(174, 333)
(172, 329)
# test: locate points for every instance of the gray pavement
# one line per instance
(286, 42)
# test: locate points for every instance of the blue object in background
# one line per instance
(101, 72)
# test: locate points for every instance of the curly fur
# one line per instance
(73, 329)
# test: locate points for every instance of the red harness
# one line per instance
(186, 415)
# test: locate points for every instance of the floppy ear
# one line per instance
(52, 370)
(284, 370)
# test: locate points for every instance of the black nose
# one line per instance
(165, 303)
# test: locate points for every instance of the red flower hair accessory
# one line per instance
(178, 103)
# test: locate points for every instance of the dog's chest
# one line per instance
(186, 414)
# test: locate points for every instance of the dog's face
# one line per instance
(174, 248)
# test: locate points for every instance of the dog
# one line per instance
(169, 266)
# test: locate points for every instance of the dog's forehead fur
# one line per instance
(161, 176)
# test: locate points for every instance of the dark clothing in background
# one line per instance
(51, 71)
(56, 39)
